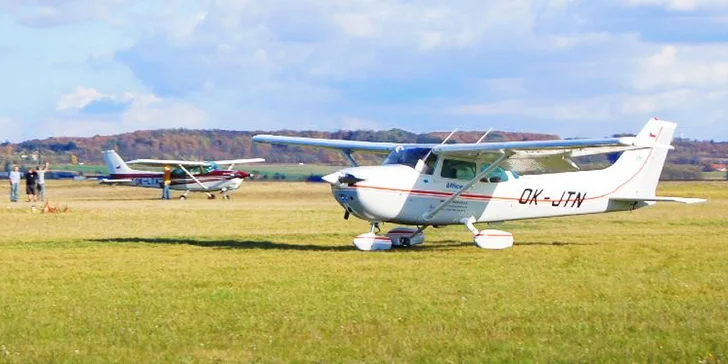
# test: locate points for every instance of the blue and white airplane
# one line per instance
(427, 185)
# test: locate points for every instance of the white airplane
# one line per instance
(434, 185)
(186, 176)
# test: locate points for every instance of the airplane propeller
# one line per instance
(337, 178)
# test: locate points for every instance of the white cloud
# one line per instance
(324, 64)
(44, 13)
(84, 96)
(701, 66)
(680, 5)
(140, 111)
(597, 108)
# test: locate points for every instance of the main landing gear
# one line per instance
(184, 195)
(224, 194)
(406, 237)
(489, 238)
(397, 237)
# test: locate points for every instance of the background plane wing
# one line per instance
(238, 161)
(347, 145)
(168, 162)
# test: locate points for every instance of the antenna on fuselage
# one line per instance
(421, 163)
(484, 136)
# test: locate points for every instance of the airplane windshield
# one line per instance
(406, 156)
(209, 168)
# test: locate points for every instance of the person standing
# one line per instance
(41, 180)
(167, 182)
(14, 183)
(31, 180)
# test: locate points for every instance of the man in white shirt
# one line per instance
(14, 183)
(41, 180)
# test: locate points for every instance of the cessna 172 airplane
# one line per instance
(433, 185)
(186, 176)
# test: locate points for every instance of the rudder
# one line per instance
(643, 167)
(114, 163)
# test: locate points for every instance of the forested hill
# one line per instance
(225, 144)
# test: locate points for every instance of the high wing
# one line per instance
(345, 145)
(238, 161)
(168, 162)
(540, 155)
(172, 162)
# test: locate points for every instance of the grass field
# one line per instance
(272, 276)
(714, 175)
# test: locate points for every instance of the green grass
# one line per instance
(714, 175)
(271, 276)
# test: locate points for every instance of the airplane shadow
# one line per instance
(227, 244)
(249, 244)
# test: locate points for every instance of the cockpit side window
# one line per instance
(495, 176)
(456, 169)
(178, 173)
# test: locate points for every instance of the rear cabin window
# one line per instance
(458, 169)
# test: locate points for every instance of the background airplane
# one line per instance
(187, 176)
(433, 185)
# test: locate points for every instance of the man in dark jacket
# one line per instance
(31, 180)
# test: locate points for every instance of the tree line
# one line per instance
(689, 158)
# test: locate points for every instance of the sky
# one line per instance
(570, 67)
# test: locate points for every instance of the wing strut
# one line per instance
(420, 166)
(347, 155)
(502, 158)
(193, 177)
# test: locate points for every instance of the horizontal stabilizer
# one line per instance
(686, 200)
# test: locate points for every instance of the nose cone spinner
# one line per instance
(340, 178)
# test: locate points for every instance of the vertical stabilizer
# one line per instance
(114, 163)
(641, 169)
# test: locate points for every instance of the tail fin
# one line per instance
(114, 163)
(641, 168)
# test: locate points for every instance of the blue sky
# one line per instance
(575, 68)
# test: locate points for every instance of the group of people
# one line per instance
(34, 183)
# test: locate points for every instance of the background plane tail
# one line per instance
(114, 163)
(641, 168)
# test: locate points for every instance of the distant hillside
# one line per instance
(685, 162)
(223, 144)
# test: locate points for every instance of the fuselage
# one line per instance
(216, 180)
(400, 194)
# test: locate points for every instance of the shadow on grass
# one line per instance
(553, 243)
(453, 245)
(248, 244)
(227, 244)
